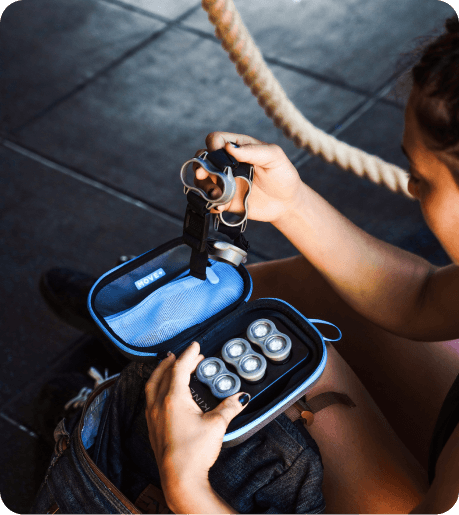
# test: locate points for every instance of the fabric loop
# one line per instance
(317, 321)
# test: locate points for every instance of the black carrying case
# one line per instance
(159, 280)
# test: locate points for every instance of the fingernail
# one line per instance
(169, 353)
(234, 144)
(244, 399)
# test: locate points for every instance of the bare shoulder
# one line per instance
(439, 314)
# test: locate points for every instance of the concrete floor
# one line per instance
(101, 101)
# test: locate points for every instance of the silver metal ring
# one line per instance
(227, 181)
(243, 220)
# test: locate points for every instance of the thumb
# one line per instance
(262, 154)
(232, 406)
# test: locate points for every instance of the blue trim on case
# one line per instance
(96, 319)
(317, 321)
(251, 285)
(318, 372)
(117, 342)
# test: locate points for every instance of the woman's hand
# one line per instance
(186, 441)
(276, 186)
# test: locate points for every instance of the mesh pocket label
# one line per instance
(150, 278)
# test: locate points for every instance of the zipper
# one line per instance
(107, 483)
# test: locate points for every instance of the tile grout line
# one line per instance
(19, 426)
(103, 71)
(119, 194)
(138, 10)
(271, 60)
(79, 176)
(351, 117)
(178, 24)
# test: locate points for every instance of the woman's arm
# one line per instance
(395, 289)
(195, 498)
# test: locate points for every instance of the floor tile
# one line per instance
(169, 10)
(352, 40)
(40, 406)
(49, 47)
(136, 126)
(48, 220)
(24, 462)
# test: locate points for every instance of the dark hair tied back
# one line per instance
(452, 25)
(436, 76)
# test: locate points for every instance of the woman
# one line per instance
(387, 302)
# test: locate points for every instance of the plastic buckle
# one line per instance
(196, 229)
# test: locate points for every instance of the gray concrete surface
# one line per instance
(101, 101)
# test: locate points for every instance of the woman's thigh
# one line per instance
(408, 380)
(367, 469)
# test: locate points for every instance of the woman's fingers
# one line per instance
(154, 382)
(185, 365)
(216, 140)
(230, 407)
(262, 155)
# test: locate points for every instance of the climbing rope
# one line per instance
(251, 66)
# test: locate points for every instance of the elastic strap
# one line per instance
(316, 321)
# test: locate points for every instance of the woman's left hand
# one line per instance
(186, 441)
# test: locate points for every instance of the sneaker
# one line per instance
(66, 293)
(52, 403)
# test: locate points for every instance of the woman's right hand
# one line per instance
(276, 186)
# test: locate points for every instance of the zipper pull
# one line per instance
(212, 276)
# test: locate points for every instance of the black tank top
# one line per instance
(447, 421)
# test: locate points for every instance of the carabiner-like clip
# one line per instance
(225, 181)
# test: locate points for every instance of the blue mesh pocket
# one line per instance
(176, 306)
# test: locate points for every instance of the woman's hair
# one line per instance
(436, 80)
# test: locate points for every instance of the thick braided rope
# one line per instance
(251, 66)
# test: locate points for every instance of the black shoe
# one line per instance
(66, 293)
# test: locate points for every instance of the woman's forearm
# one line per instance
(196, 498)
(382, 282)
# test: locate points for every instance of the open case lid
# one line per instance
(151, 305)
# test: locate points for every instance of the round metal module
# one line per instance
(213, 373)
(275, 345)
(249, 365)
(259, 330)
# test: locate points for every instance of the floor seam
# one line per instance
(103, 71)
(271, 60)
(19, 426)
(178, 24)
(351, 117)
(139, 10)
(106, 188)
